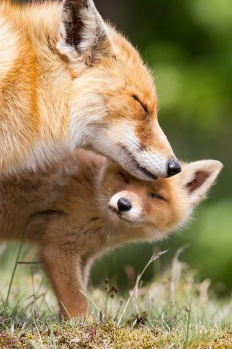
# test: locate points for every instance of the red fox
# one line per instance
(90, 205)
(67, 80)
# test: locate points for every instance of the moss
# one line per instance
(224, 341)
(101, 335)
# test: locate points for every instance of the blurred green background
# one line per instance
(188, 46)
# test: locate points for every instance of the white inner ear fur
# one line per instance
(94, 28)
(192, 171)
(91, 46)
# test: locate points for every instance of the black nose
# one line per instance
(173, 168)
(124, 204)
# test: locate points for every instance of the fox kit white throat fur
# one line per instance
(89, 206)
(67, 80)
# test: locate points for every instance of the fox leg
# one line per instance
(64, 271)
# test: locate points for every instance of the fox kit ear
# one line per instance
(198, 177)
(82, 33)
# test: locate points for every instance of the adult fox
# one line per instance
(89, 206)
(68, 80)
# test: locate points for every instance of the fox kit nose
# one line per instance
(173, 167)
(124, 205)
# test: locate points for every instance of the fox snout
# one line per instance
(143, 158)
(127, 205)
(148, 165)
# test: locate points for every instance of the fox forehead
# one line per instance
(166, 187)
(129, 67)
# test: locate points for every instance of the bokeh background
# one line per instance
(188, 46)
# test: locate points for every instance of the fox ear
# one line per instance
(198, 177)
(82, 32)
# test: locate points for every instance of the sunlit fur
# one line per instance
(81, 219)
(54, 98)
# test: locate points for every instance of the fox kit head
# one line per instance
(113, 99)
(156, 207)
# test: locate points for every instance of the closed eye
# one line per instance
(142, 105)
(155, 196)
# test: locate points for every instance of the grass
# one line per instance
(173, 311)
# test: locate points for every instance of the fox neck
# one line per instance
(41, 84)
(107, 233)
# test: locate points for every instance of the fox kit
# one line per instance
(90, 205)
(67, 80)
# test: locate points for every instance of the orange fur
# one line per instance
(56, 95)
(81, 217)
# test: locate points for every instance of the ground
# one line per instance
(173, 311)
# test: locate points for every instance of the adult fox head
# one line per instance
(113, 98)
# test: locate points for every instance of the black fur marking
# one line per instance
(199, 178)
(56, 212)
(73, 22)
(94, 219)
